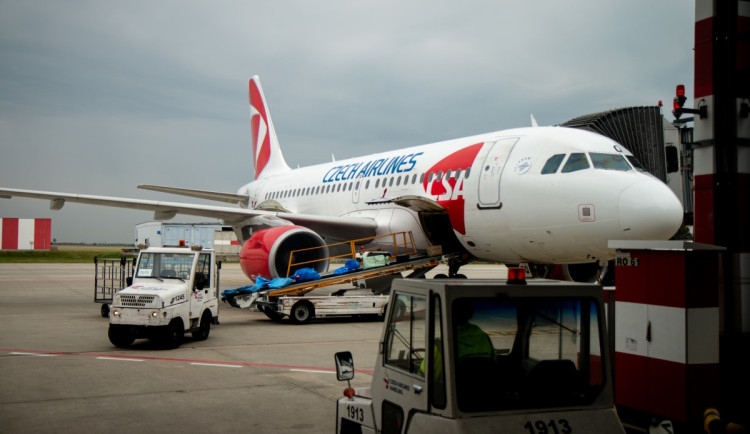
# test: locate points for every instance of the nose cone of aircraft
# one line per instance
(649, 210)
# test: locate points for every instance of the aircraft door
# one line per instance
(403, 371)
(198, 296)
(491, 172)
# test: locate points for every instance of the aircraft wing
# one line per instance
(201, 194)
(342, 228)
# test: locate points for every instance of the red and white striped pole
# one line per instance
(722, 173)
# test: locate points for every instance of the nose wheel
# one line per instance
(454, 265)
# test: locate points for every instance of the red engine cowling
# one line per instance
(266, 252)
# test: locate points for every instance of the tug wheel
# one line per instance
(121, 335)
(204, 328)
(173, 334)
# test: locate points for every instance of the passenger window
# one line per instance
(609, 161)
(468, 171)
(421, 178)
(576, 161)
(405, 334)
(367, 184)
(552, 164)
(414, 179)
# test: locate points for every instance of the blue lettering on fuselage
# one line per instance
(366, 169)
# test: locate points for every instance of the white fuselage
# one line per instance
(501, 206)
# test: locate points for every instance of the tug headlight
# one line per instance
(154, 314)
(116, 313)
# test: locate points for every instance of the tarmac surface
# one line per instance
(60, 373)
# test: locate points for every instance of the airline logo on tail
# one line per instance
(259, 126)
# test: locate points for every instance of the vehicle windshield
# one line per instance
(526, 353)
(165, 265)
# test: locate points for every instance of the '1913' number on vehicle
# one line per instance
(561, 426)
(355, 413)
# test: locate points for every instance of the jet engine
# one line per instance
(268, 252)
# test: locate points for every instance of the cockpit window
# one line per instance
(609, 161)
(637, 164)
(553, 164)
(576, 161)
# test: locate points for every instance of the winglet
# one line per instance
(267, 158)
(533, 121)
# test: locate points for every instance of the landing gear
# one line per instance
(454, 265)
(541, 271)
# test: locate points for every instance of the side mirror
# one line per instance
(344, 366)
(129, 281)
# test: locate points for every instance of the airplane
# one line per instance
(536, 195)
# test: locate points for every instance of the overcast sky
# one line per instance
(97, 97)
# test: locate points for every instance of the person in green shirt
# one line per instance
(472, 341)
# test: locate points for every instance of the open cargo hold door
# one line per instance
(434, 220)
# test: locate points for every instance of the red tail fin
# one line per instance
(267, 156)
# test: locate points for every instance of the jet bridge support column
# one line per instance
(666, 364)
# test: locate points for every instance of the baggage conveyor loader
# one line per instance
(291, 301)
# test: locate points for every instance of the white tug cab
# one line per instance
(486, 356)
(173, 291)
